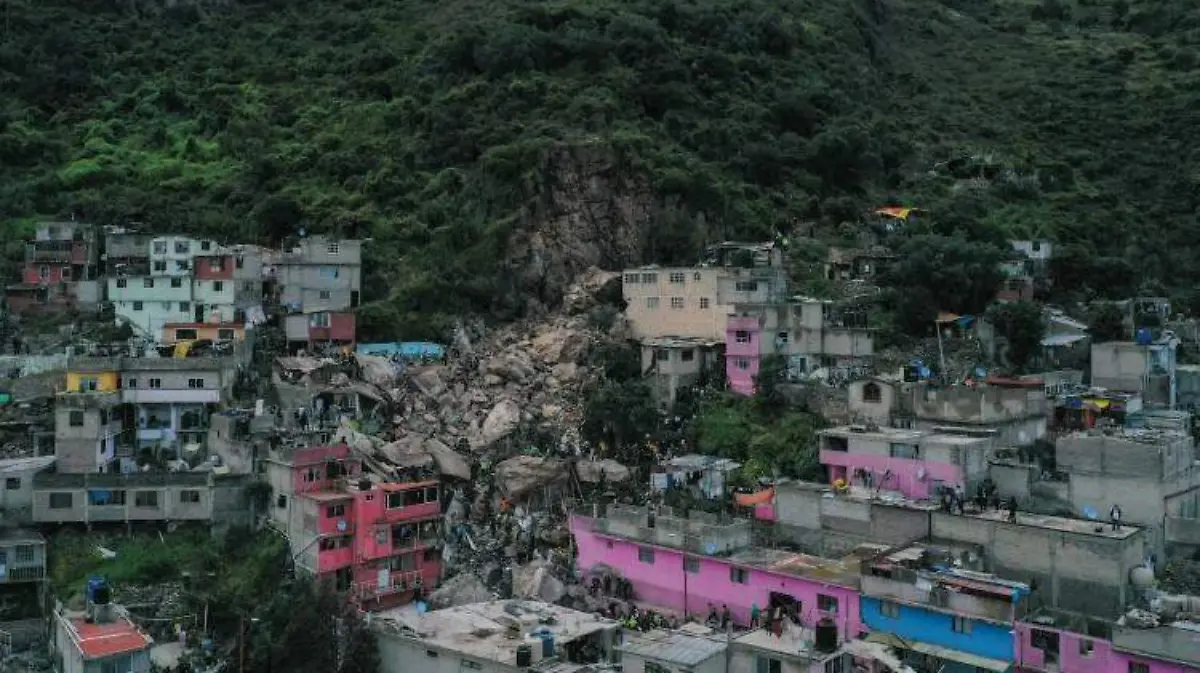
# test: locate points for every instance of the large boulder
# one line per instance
(463, 589)
(500, 422)
(561, 345)
(534, 581)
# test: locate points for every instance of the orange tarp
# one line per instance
(752, 499)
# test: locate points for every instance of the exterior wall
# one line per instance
(172, 255)
(46, 273)
(406, 654)
(148, 303)
(1131, 367)
(312, 277)
(665, 584)
(914, 479)
(940, 459)
(89, 447)
(92, 381)
(16, 504)
(986, 639)
(183, 496)
(126, 246)
(301, 327)
(632, 662)
(1081, 572)
(648, 293)
(674, 372)
(214, 332)
(743, 345)
(879, 410)
(213, 267)
(24, 560)
(1071, 657)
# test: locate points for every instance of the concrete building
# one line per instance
(59, 271)
(943, 619)
(808, 334)
(88, 427)
(659, 651)
(1150, 474)
(1131, 367)
(319, 283)
(874, 400)
(684, 565)
(795, 650)
(175, 332)
(147, 303)
(378, 542)
(320, 327)
(171, 399)
(171, 256)
(16, 500)
(1055, 640)
(117, 498)
(22, 559)
(1015, 412)
(915, 463)
(674, 363)
(497, 637)
(100, 640)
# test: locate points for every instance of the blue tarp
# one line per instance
(410, 350)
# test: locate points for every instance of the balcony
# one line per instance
(395, 582)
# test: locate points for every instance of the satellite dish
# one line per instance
(710, 548)
(341, 525)
(1090, 512)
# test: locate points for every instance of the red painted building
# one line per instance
(214, 267)
(321, 327)
(378, 542)
(61, 256)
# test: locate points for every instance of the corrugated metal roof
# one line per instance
(673, 648)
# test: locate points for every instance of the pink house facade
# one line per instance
(680, 582)
(743, 353)
(914, 463)
(1044, 649)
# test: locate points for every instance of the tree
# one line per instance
(942, 273)
(620, 415)
(1106, 322)
(308, 628)
(771, 372)
(1022, 324)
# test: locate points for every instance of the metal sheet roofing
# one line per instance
(674, 648)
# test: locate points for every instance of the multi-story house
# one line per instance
(172, 256)
(808, 334)
(16, 499)
(1146, 366)
(914, 463)
(126, 252)
(171, 399)
(23, 579)
(213, 288)
(1055, 641)
(100, 639)
(88, 422)
(147, 303)
(319, 283)
(941, 618)
(59, 269)
(145, 497)
(378, 542)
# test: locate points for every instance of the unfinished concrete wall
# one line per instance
(963, 405)
(799, 505)
(897, 525)
(1013, 479)
(1120, 365)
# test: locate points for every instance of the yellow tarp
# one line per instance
(182, 348)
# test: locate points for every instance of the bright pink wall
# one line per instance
(904, 472)
(328, 525)
(1103, 658)
(662, 583)
(329, 560)
(741, 381)
(315, 458)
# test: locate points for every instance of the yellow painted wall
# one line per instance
(212, 332)
(106, 381)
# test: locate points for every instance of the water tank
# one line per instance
(826, 636)
(1142, 577)
(97, 591)
(547, 645)
(1144, 337)
(524, 656)
(364, 484)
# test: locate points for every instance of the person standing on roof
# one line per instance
(1114, 516)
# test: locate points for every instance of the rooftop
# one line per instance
(673, 647)
(26, 463)
(96, 640)
(481, 630)
(845, 571)
(681, 342)
(888, 434)
(1178, 641)
(695, 461)
(1058, 523)
(794, 641)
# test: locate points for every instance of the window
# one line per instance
(24, 553)
(691, 564)
(218, 286)
(631, 278)
(323, 294)
(189, 496)
(649, 278)
(696, 276)
(195, 383)
(742, 336)
(160, 265)
(687, 355)
(122, 282)
(395, 500)
(334, 511)
(148, 282)
(909, 451)
(743, 364)
(131, 383)
(431, 653)
(333, 249)
(156, 383)
(145, 499)
(318, 320)
(137, 305)
(160, 247)
(184, 307)
(746, 286)
(782, 338)
(889, 609)
(677, 303)
(767, 665)
(473, 665)
(837, 665)
(677, 277)
(739, 576)
(182, 266)
(1086, 647)
(225, 334)
(872, 393)
(239, 262)
(827, 604)
(176, 283)
(76, 419)
(182, 247)
(12, 483)
(662, 354)
(703, 302)
(646, 555)
(960, 624)
(281, 501)
(1138, 667)
(652, 303)
(183, 334)
(60, 501)
(103, 417)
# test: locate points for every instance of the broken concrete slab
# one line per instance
(589, 471)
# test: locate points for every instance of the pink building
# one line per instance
(914, 463)
(685, 582)
(1057, 642)
(376, 541)
(743, 352)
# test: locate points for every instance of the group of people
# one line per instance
(987, 496)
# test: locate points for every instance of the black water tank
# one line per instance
(524, 656)
(364, 484)
(827, 636)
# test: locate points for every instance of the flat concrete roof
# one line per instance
(904, 435)
(480, 630)
(1059, 523)
(25, 464)
(844, 571)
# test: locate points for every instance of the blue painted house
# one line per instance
(941, 618)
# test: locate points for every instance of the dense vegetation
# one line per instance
(429, 126)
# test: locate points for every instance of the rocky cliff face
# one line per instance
(592, 212)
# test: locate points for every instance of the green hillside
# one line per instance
(437, 128)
